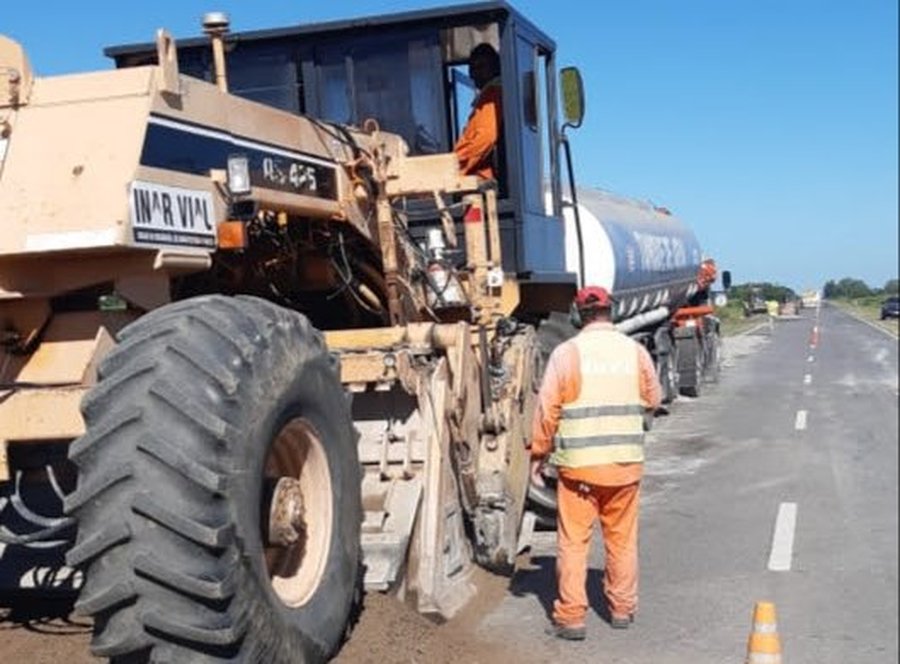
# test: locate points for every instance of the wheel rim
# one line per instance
(668, 377)
(298, 504)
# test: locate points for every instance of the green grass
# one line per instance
(733, 320)
(868, 308)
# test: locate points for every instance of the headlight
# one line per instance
(238, 174)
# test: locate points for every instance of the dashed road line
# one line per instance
(783, 538)
(807, 379)
(800, 422)
(811, 358)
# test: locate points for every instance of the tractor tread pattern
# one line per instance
(105, 598)
(87, 492)
(165, 581)
(97, 435)
(167, 453)
(217, 538)
(88, 549)
(151, 566)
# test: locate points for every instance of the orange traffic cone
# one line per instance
(764, 646)
(814, 336)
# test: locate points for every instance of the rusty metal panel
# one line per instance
(68, 346)
(41, 414)
(425, 174)
(16, 78)
(385, 539)
(4, 462)
(368, 367)
(69, 157)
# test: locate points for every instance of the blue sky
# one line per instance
(769, 126)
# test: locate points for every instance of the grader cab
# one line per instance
(263, 344)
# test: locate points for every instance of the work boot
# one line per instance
(621, 622)
(567, 633)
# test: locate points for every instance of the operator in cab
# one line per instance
(477, 147)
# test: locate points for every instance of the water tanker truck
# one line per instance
(263, 346)
(653, 265)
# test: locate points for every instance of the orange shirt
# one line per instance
(561, 385)
(479, 138)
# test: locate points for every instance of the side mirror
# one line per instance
(726, 279)
(572, 92)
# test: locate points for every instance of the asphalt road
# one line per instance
(791, 428)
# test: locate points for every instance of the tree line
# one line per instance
(849, 287)
(765, 290)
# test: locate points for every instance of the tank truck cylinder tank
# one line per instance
(644, 255)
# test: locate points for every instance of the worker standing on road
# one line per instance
(771, 312)
(589, 422)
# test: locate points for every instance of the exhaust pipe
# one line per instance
(216, 24)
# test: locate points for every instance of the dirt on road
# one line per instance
(391, 631)
(43, 632)
(388, 632)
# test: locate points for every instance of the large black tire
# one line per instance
(713, 368)
(171, 488)
(690, 366)
(668, 376)
(552, 331)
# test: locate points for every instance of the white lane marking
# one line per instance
(800, 422)
(807, 379)
(810, 358)
(783, 538)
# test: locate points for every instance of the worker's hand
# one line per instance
(536, 477)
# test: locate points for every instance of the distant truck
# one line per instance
(810, 299)
(755, 303)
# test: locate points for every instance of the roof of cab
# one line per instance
(443, 16)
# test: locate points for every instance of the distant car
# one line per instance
(890, 308)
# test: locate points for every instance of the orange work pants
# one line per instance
(617, 509)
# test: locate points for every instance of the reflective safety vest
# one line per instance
(605, 424)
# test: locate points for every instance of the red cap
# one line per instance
(593, 296)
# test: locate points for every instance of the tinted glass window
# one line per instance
(334, 93)
(267, 73)
(532, 161)
(393, 81)
(463, 97)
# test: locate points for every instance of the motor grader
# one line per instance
(264, 346)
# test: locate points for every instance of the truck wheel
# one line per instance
(668, 380)
(552, 331)
(690, 366)
(218, 499)
(543, 502)
(713, 367)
